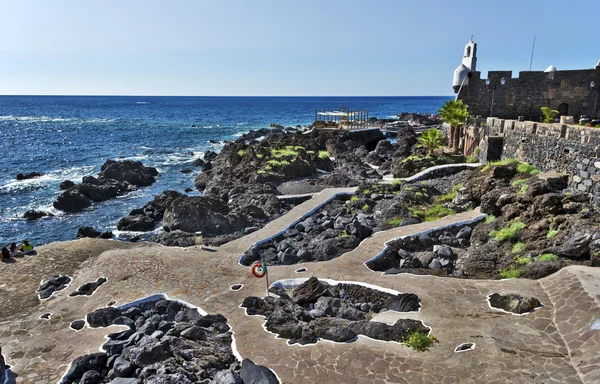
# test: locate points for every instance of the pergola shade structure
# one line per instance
(351, 119)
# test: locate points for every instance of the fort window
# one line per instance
(468, 51)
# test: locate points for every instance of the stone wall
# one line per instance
(526, 94)
(565, 148)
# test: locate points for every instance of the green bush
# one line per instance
(354, 199)
(397, 182)
(523, 260)
(261, 172)
(489, 219)
(450, 195)
(518, 247)
(344, 233)
(366, 191)
(523, 189)
(395, 221)
(527, 168)
(436, 212)
(517, 183)
(288, 151)
(366, 207)
(259, 156)
(472, 159)
(510, 273)
(323, 155)
(551, 233)
(278, 163)
(241, 153)
(547, 257)
(509, 232)
(419, 341)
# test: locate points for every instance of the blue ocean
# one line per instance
(69, 137)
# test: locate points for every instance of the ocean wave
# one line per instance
(142, 102)
(47, 119)
(74, 174)
(133, 158)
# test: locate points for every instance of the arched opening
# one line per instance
(468, 51)
(563, 109)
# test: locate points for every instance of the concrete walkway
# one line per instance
(389, 179)
(555, 344)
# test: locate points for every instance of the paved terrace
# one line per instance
(555, 344)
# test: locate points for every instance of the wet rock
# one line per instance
(514, 303)
(150, 215)
(53, 284)
(25, 176)
(115, 178)
(257, 374)
(35, 215)
(92, 233)
(539, 270)
(66, 185)
(227, 377)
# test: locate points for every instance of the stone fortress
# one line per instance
(571, 92)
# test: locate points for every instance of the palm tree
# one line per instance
(454, 112)
(431, 139)
(549, 114)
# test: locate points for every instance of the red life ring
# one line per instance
(257, 270)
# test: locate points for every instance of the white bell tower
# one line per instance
(468, 65)
(470, 55)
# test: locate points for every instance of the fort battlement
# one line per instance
(562, 147)
(571, 92)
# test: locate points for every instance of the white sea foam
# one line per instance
(74, 174)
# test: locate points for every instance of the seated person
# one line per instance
(14, 251)
(27, 248)
(6, 254)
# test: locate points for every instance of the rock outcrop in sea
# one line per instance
(115, 178)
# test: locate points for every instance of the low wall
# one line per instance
(572, 149)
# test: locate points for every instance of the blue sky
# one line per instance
(280, 47)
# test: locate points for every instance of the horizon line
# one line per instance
(96, 95)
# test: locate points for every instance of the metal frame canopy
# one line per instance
(350, 119)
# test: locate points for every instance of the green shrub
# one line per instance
(241, 153)
(397, 182)
(366, 207)
(527, 168)
(523, 189)
(436, 212)
(510, 273)
(323, 155)
(509, 232)
(288, 151)
(551, 233)
(450, 195)
(395, 221)
(344, 233)
(489, 219)
(259, 156)
(354, 199)
(472, 159)
(366, 191)
(547, 257)
(523, 260)
(261, 172)
(278, 163)
(419, 341)
(518, 247)
(504, 162)
(517, 183)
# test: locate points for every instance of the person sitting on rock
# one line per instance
(6, 257)
(26, 248)
(14, 251)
